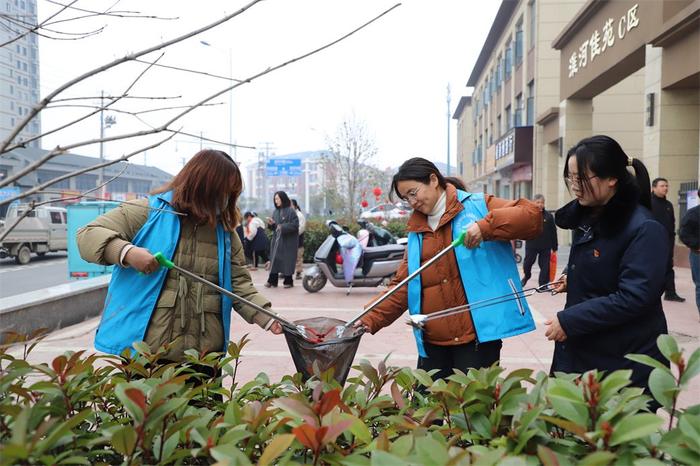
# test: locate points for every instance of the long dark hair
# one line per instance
(606, 159)
(208, 186)
(416, 169)
(284, 198)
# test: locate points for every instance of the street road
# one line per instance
(40, 273)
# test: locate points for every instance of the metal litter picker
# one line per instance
(419, 320)
(286, 324)
(311, 351)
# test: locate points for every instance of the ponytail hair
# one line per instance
(416, 169)
(605, 158)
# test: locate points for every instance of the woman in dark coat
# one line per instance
(616, 270)
(285, 239)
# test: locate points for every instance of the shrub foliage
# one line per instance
(93, 409)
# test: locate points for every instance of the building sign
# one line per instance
(613, 29)
(283, 167)
(505, 146)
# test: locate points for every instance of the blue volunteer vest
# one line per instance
(484, 272)
(131, 297)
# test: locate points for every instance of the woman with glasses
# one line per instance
(483, 269)
(616, 271)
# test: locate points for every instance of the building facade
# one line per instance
(260, 187)
(552, 72)
(19, 69)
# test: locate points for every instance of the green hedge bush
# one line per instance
(89, 409)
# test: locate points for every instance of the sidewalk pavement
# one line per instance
(269, 353)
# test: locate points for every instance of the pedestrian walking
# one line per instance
(663, 212)
(481, 270)
(191, 221)
(299, 268)
(285, 240)
(616, 269)
(542, 247)
(256, 239)
(689, 234)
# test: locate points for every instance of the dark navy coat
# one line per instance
(615, 279)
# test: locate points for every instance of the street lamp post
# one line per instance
(448, 128)
(232, 149)
(105, 122)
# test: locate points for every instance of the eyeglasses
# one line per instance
(577, 180)
(412, 195)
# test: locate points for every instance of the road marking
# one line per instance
(19, 268)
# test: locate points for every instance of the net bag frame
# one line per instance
(332, 352)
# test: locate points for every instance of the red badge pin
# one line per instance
(596, 253)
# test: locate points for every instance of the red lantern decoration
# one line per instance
(377, 191)
(364, 204)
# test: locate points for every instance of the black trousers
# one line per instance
(274, 278)
(670, 287)
(542, 256)
(259, 257)
(462, 357)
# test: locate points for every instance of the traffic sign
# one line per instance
(283, 167)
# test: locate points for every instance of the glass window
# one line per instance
(533, 23)
(508, 62)
(530, 118)
(518, 116)
(519, 45)
(56, 217)
(509, 120)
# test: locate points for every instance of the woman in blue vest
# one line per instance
(191, 221)
(483, 269)
(617, 264)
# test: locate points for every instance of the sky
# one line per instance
(392, 75)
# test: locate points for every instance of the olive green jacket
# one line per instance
(187, 314)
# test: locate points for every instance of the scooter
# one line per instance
(377, 265)
(376, 235)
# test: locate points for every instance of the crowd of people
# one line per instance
(619, 266)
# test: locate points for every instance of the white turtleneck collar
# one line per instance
(436, 214)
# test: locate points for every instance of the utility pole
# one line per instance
(448, 129)
(105, 122)
(263, 157)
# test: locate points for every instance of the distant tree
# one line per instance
(351, 150)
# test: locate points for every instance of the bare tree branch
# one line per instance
(38, 26)
(164, 127)
(44, 102)
(116, 13)
(239, 146)
(103, 107)
(135, 97)
(72, 174)
(186, 70)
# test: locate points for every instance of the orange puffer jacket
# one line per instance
(442, 285)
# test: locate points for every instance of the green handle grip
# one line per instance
(168, 264)
(459, 240)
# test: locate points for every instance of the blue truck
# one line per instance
(79, 215)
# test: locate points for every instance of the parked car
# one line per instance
(42, 230)
(386, 212)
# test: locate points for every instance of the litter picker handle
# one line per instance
(168, 264)
(459, 240)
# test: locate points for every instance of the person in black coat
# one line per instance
(540, 248)
(663, 213)
(616, 269)
(689, 234)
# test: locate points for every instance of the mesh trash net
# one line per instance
(332, 352)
